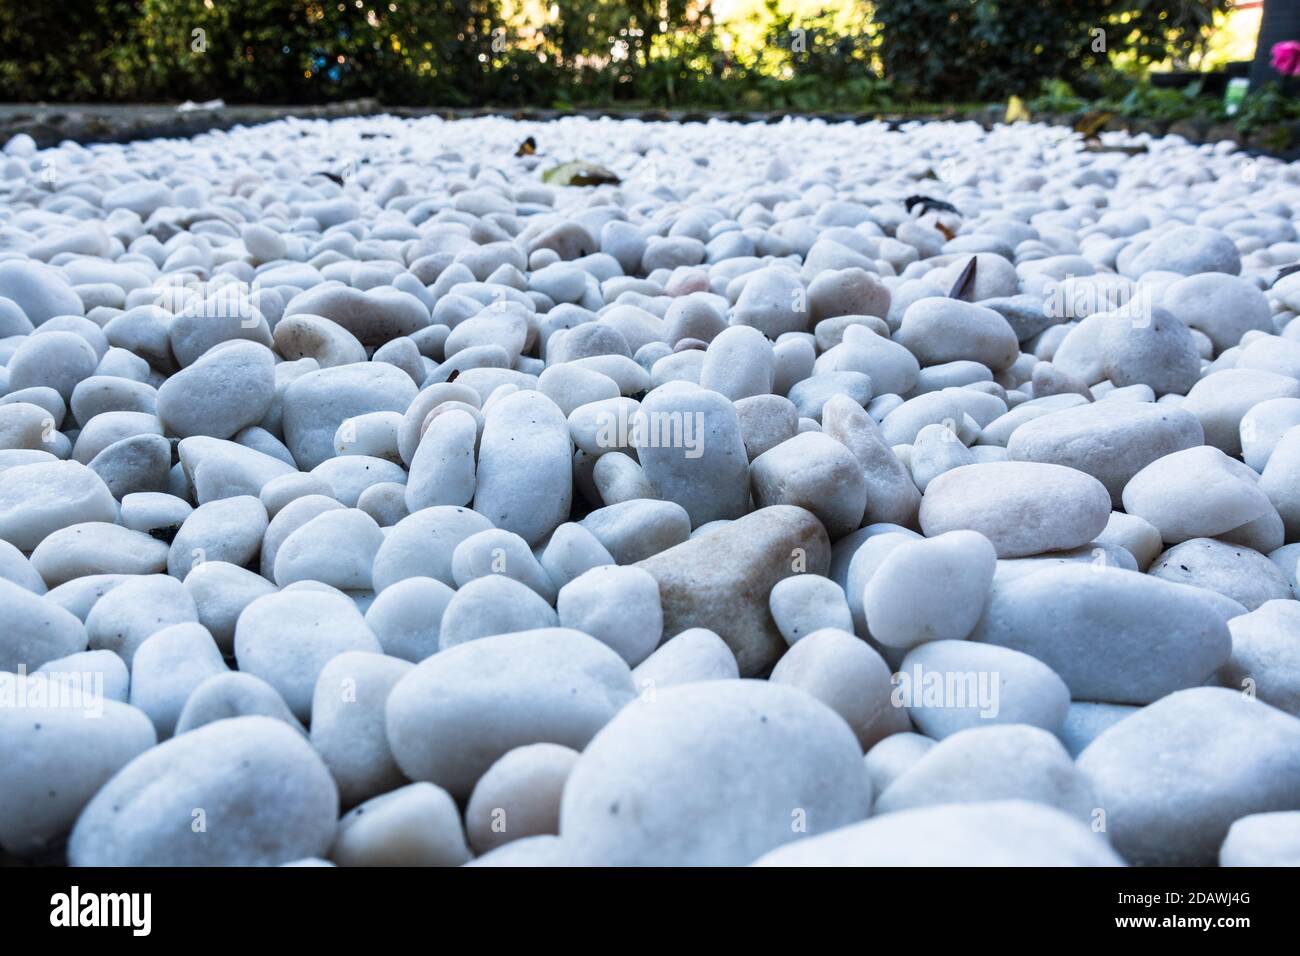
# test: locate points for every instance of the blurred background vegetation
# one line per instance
(726, 54)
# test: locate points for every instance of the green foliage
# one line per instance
(1261, 111)
(993, 48)
(69, 50)
(853, 56)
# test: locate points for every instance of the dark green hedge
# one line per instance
(445, 52)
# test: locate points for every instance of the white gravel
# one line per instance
(817, 495)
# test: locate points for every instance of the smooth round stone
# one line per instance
(892, 496)
(1112, 441)
(15, 567)
(407, 617)
(620, 478)
(1264, 426)
(816, 472)
(227, 389)
(846, 675)
(1175, 776)
(939, 330)
(205, 325)
(572, 386)
(525, 475)
(544, 686)
(1007, 762)
(891, 757)
(290, 518)
(66, 754)
(632, 531)
(233, 694)
(619, 606)
(140, 463)
(263, 243)
(1224, 307)
(167, 667)
(1265, 657)
(317, 403)
(956, 685)
(38, 290)
(805, 603)
(1112, 635)
(930, 589)
(1000, 430)
(40, 498)
(385, 502)
(573, 550)
(414, 825)
(337, 548)
(422, 545)
(502, 553)
(104, 430)
(374, 316)
(139, 607)
(689, 443)
(1263, 839)
(1021, 507)
(220, 592)
(721, 580)
(350, 475)
(1235, 571)
(738, 363)
(765, 422)
(937, 449)
(229, 529)
(311, 336)
(851, 291)
(902, 424)
(97, 547)
(1222, 399)
(287, 639)
(503, 328)
(1188, 250)
(243, 792)
(58, 359)
(1135, 535)
(1150, 348)
(494, 604)
(1195, 493)
(213, 468)
(519, 796)
(103, 671)
(1279, 481)
(348, 725)
(891, 367)
(696, 654)
(27, 425)
(795, 359)
(712, 774)
(995, 833)
(811, 394)
(770, 302)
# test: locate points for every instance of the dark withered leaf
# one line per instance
(964, 287)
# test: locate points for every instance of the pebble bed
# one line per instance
(816, 495)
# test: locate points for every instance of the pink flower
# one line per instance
(1286, 57)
